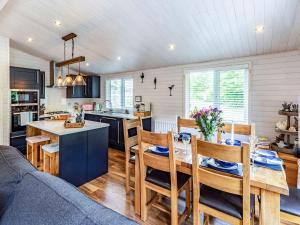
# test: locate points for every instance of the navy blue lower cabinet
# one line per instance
(83, 156)
(97, 153)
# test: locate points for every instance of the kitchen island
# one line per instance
(83, 152)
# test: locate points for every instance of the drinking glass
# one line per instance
(253, 142)
(186, 140)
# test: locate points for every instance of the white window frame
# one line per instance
(123, 79)
(187, 71)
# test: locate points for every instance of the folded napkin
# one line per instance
(236, 142)
(223, 166)
(159, 150)
(271, 163)
(183, 134)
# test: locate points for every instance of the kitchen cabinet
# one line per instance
(115, 130)
(93, 87)
(42, 84)
(91, 90)
(24, 78)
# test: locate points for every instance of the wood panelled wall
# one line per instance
(274, 78)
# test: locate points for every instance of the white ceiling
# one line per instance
(140, 30)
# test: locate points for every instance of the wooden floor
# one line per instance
(109, 190)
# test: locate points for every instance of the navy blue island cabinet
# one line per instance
(83, 152)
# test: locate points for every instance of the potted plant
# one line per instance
(209, 121)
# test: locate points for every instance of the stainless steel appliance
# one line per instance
(24, 109)
(21, 97)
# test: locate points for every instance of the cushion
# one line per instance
(163, 179)
(291, 204)
(44, 199)
(13, 166)
(225, 202)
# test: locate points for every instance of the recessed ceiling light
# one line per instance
(87, 64)
(57, 23)
(259, 29)
(119, 58)
(171, 47)
(29, 39)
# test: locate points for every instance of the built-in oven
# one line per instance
(24, 109)
(24, 97)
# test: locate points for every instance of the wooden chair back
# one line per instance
(241, 129)
(148, 159)
(130, 141)
(239, 185)
(187, 123)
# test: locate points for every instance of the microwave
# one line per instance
(24, 97)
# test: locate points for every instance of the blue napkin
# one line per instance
(236, 142)
(271, 163)
(159, 150)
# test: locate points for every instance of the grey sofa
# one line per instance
(29, 197)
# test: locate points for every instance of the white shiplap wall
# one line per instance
(4, 91)
(274, 78)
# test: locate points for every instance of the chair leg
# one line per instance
(188, 198)
(28, 155)
(46, 163)
(127, 176)
(34, 154)
(206, 219)
(52, 164)
(144, 208)
(174, 207)
(57, 163)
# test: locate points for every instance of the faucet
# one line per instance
(110, 109)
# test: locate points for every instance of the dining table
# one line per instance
(266, 183)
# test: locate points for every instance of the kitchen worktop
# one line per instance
(57, 126)
(113, 114)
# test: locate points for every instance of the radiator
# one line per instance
(161, 126)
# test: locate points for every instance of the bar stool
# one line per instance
(33, 146)
(51, 158)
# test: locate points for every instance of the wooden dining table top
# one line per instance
(260, 177)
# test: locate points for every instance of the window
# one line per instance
(226, 89)
(120, 92)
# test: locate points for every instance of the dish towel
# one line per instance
(25, 118)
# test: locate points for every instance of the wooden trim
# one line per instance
(69, 36)
(71, 61)
(289, 217)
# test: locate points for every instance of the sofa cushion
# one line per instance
(13, 166)
(44, 199)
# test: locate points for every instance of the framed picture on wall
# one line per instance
(138, 98)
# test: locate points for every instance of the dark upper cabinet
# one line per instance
(42, 84)
(91, 90)
(23, 78)
(93, 87)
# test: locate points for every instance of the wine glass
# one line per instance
(186, 140)
(253, 142)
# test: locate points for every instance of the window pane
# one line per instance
(233, 102)
(201, 89)
(115, 93)
(128, 98)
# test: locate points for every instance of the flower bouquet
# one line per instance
(209, 121)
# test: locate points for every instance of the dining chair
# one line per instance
(187, 123)
(241, 129)
(130, 140)
(290, 206)
(158, 174)
(219, 194)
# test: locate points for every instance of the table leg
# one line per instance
(269, 208)
(137, 188)
(35, 152)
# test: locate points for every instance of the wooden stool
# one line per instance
(33, 144)
(51, 158)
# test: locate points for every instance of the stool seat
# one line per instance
(37, 139)
(51, 148)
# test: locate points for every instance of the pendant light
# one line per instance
(68, 81)
(79, 80)
(60, 80)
